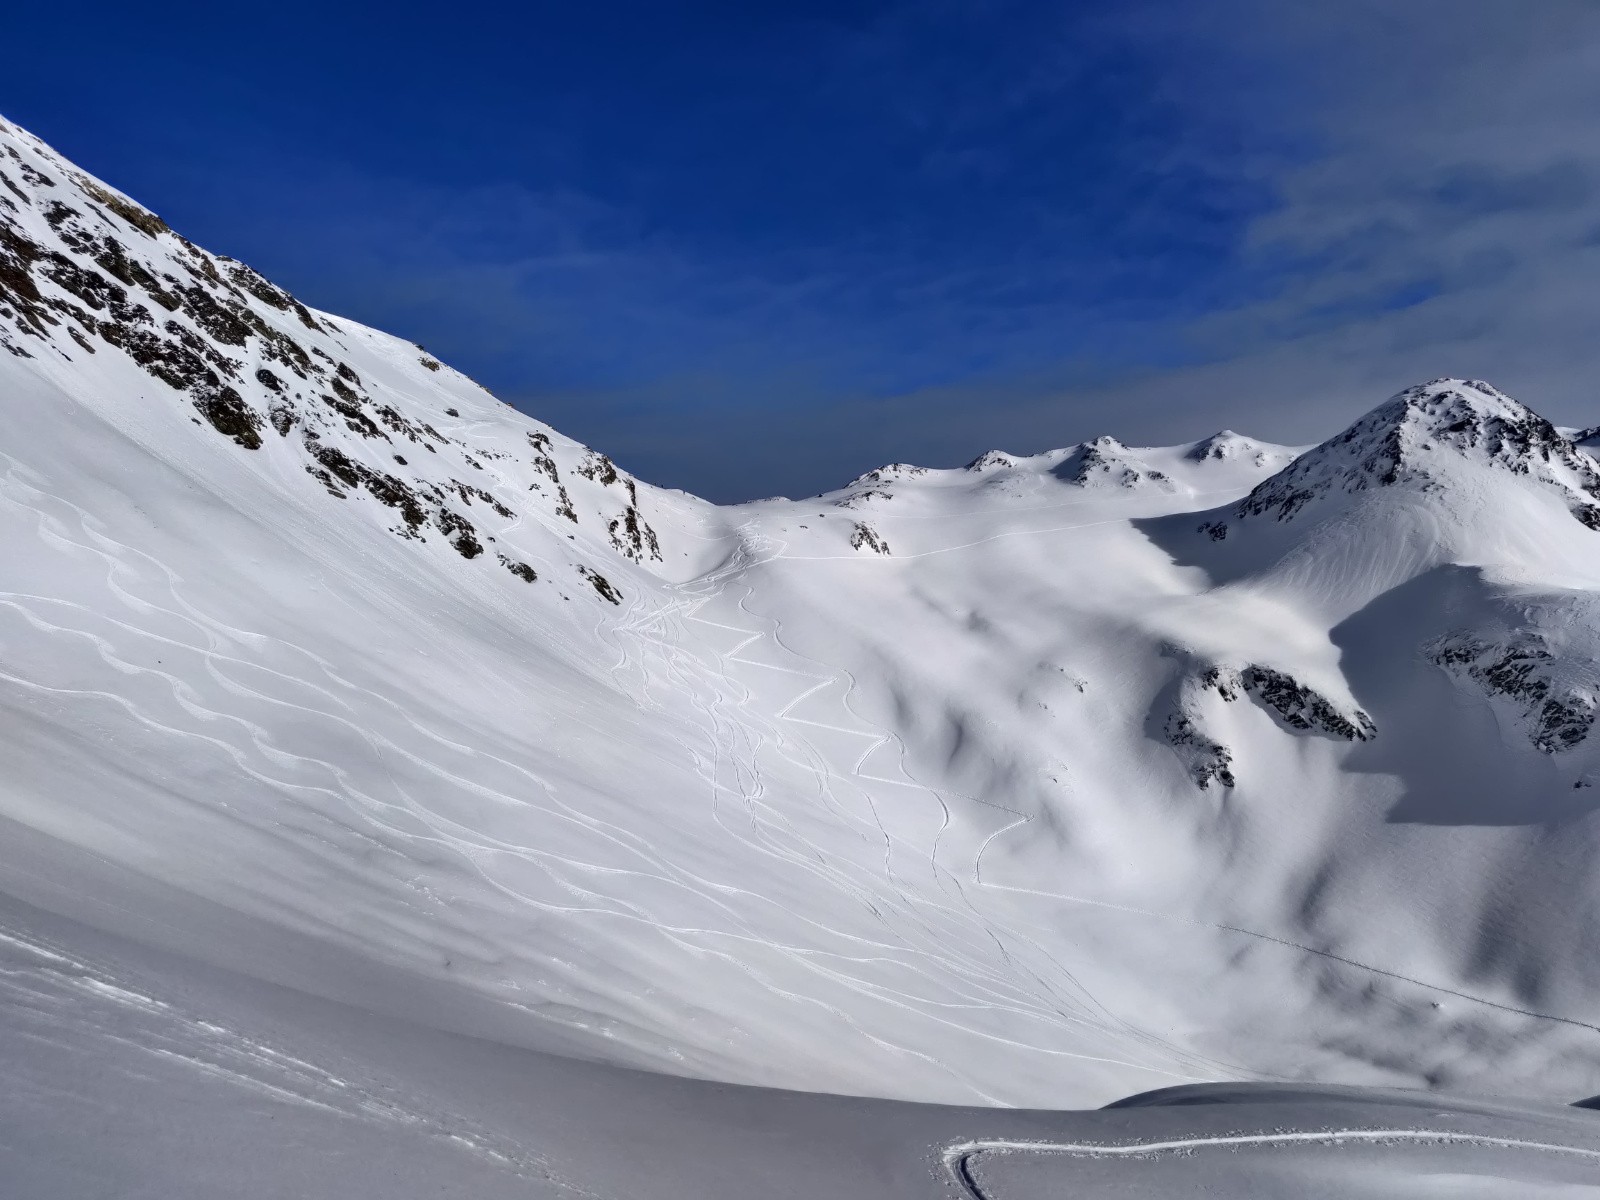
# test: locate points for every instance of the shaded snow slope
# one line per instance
(131, 1072)
(1036, 782)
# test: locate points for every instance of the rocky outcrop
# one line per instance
(520, 569)
(1228, 446)
(1207, 761)
(889, 473)
(861, 499)
(989, 460)
(1301, 708)
(598, 467)
(603, 587)
(864, 537)
(1557, 715)
(1106, 461)
(631, 536)
(86, 271)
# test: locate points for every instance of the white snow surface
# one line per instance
(1035, 783)
(131, 1072)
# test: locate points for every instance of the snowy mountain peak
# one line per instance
(1138, 475)
(888, 473)
(1423, 436)
(990, 459)
(1223, 446)
(1107, 462)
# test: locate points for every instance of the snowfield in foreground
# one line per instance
(1035, 783)
(129, 1071)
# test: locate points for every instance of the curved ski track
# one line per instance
(1009, 969)
(69, 1003)
(922, 930)
(918, 903)
(958, 1158)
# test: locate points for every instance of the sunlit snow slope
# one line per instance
(1040, 781)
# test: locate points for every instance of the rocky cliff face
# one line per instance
(85, 271)
(1556, 711)
(1301, 710)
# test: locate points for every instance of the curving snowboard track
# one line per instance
(920, 940)
(926, 912)
(67, 1001)
(959, 1158)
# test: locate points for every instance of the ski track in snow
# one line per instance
(838, 685)
(372, 809)
(992, 988)
(958, 1158)
(938, 937)
(991, 961)
(71, 1003)
(1024, 818)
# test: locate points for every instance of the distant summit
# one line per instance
(1420, 437)
(1227, 445)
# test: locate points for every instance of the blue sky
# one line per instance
(758, 248)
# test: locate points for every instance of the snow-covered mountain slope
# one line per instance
(132, 1072)
(1039, 782)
